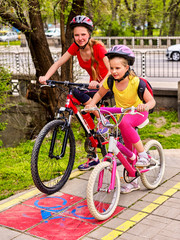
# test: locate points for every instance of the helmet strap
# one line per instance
(83, 47)
(125, 75)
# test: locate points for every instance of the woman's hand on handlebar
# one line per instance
(42, 80)
(93, 85)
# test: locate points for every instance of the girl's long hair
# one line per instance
(95, 70)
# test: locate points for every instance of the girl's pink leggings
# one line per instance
(127, 127)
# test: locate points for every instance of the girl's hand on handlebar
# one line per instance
(89, 106)
(42, 80)
(142, 108)
(93, 85)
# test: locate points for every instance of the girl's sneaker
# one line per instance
(129, 187)
(91, 163)
(143, 162)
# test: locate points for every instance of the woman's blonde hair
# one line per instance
(95, 71)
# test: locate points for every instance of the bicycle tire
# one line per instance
(48, 173)
(102, 204)
(153, 178)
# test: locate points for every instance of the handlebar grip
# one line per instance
(50, 83)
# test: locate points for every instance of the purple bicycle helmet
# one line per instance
(121, 51)
(83, 21)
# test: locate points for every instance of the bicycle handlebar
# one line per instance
(53, 83)
(113, 110)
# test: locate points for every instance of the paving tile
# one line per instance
(99, 233)
(170, 233)
(143, 205)
(85, 175)
(80, 211)
(174, 226)
(160, 190)
(76, 187)
(86, 238)
(170, 171)
(21, 217)
(169, 184)
(126, 200)
(144, 230)
(25, 237)
(176, 178)
(150, 197)
(159, 219)
(114, 223)
(128, 236)
(173, 203)
(8, 234)
(162, 237)
(167, 212)
(127, 214)
(61, 228)
(150, 222)
(176, 195)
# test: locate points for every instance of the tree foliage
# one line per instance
(127, 17)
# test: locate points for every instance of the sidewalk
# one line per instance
(142, 214)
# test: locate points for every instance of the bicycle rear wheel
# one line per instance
(152, 178)
(48, 172)
(102, 203)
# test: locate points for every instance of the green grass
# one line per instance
(152, 131)
(15, 172)
(15, 163)
(10, 43)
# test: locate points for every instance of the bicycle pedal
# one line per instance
(140, 168)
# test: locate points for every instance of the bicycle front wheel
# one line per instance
(102, 203)
(49, 171)
(152, 178)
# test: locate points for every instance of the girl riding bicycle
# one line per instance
(91, 57)
(126, 95)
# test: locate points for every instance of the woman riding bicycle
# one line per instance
(91, 57)
(126, 95)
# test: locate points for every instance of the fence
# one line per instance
(140, 42)
(132, 42)
(149, 63)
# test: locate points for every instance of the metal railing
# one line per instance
(148, 64)
(140, 42)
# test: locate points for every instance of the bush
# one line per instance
(5, 78)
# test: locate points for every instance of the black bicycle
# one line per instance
(54, 149)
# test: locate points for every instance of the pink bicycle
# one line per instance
(103, 189)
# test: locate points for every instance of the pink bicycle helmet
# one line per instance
(121, 51)
(82, 21)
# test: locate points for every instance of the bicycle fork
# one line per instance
(66, 127)
(118, 150)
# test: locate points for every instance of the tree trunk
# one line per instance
(77, 7)
(174, 10)
(36, 39)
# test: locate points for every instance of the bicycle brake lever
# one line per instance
(44, 85)
(89, 109)
(140, 114)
